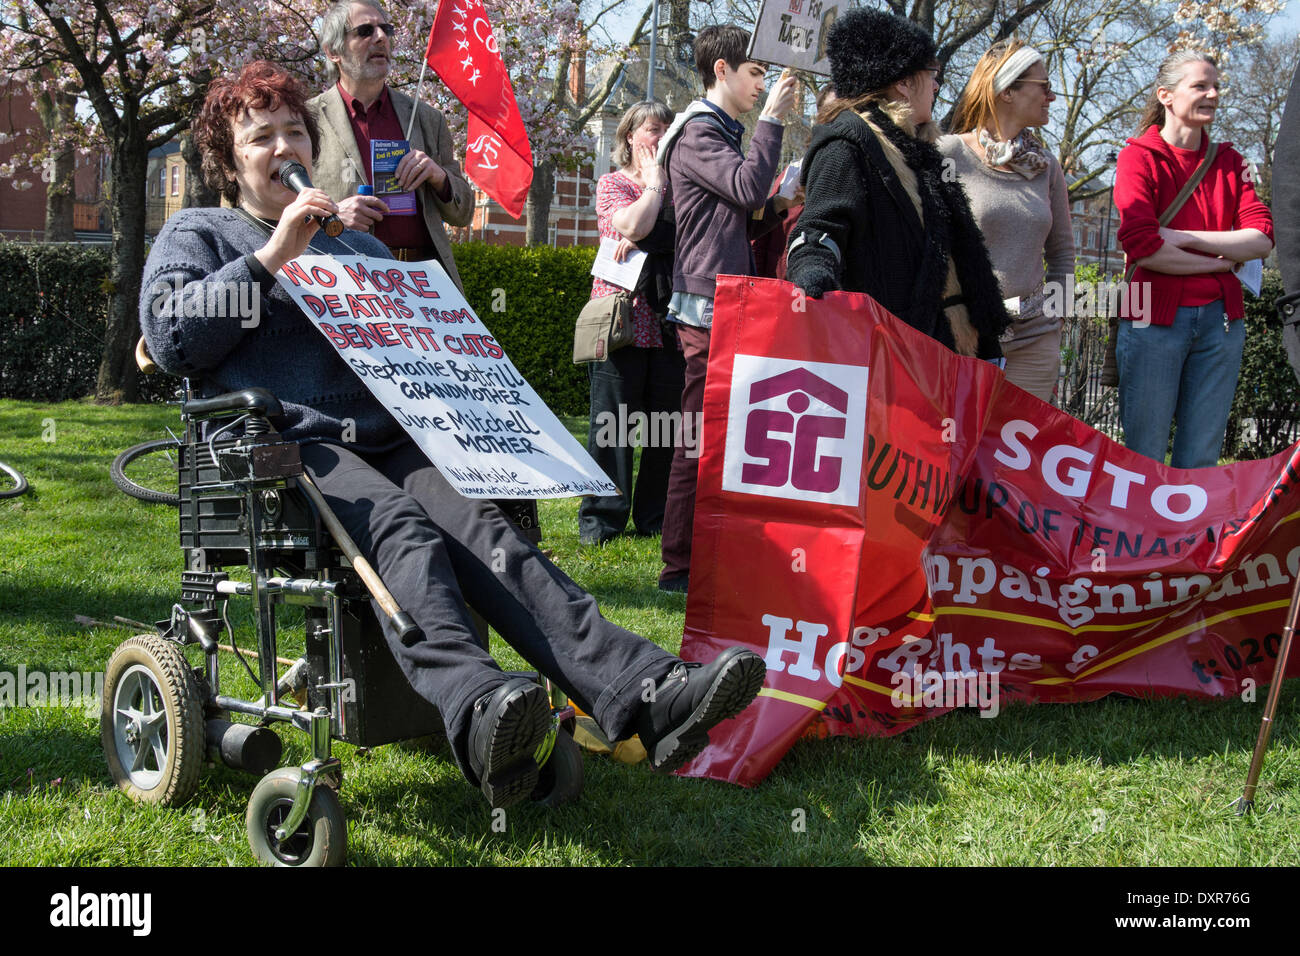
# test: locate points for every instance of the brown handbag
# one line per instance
(604, 326)
(1110, 364)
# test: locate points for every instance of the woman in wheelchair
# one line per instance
(435, 550)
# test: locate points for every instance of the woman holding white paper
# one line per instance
(646, 376)
(1180, 359)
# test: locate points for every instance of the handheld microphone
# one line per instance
(294, 175)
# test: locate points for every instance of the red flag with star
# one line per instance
(464, 54)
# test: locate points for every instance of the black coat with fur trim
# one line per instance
(855, 199)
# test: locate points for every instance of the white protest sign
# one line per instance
(793, 33)
(408, 333)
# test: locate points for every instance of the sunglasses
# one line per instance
(367, 30)
(1047, 85)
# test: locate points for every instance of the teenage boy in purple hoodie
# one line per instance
(720, 202)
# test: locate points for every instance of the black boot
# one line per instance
(507, 727)
(674, 725)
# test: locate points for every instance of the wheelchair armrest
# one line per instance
(256, 400)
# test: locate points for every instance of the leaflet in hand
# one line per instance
(789, 183)
(1251, 275)
(622, 274)
(385, 154)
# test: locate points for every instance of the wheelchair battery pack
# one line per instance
(522, 513)
(214, 510)
(379, 704)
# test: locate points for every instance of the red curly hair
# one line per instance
(262, 85)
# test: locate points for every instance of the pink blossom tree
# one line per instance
(141, 67)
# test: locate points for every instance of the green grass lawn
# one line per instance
(1116, 782)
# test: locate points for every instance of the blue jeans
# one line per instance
(1185, 372)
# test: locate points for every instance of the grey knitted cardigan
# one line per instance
(206, 254)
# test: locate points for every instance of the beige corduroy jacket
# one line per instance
(339, 170)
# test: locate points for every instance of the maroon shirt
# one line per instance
(380, 122)
(769, 249)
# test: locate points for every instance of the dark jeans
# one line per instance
(645, 383)
(437, 551)
(679, 515)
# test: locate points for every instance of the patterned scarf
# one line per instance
(1024, 154)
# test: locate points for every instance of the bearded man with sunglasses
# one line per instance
(356, 40)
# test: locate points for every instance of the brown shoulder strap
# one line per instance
(1189, 187)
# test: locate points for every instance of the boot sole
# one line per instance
(735, 687)
(510, 774)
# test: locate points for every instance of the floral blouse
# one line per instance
(615, 191)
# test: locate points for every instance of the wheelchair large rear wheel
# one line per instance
(147, 472)
(151, 721)
(18, 484)
(320, 840)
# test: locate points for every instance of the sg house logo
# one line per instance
(795, 429)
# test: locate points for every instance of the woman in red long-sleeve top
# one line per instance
(1180, 351)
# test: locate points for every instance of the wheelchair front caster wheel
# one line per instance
(559, 780)
(151, 721)
(320, 840)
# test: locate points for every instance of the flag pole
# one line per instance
(415, 107)
(419, 87)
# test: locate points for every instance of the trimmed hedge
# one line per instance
(530, 298)
(1267, 390)
(54, 300)
(53, 310)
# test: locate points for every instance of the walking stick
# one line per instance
(402, 622)
(1247, 801)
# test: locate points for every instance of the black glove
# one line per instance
(807, 262)
(814, 279)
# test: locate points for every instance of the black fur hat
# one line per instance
(870, 49)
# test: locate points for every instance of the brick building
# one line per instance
(22, 211)
(164, 185)
(1095, 222)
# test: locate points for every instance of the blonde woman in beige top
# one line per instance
(1018, 196)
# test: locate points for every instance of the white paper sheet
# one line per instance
(622, 274)
(1251, 275)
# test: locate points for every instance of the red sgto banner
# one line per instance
(899, 531)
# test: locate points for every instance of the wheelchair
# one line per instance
(246, 502)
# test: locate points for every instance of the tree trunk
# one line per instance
(537, 210)
(60, 199)
(197, 192)
(118, 375)
(60, 190)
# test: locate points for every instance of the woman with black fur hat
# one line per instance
(880, 215)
